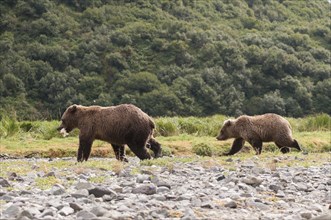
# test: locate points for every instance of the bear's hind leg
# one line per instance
(119, 152)
(236, 146)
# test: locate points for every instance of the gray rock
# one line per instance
(4, 182)
(195, 202)
(14, 177)
(100, 192)
(257, 205)
(85, 215)
(188, 214)
(160, 198)
(12, 211)
(7, 198)
(83, 185)
(117, 189)
(248, 164)
(25, 192)
(326, 216)
(301, 186)
(162, 189)
(98, 211)
(246, 195)
(123, 208)
(52, 173)
(148, 189)
(57, 189)
(306, 215)
(48, 212)
(82, 193)
(55, 203)
(142, 177)
(231, 204)
(25, 214)
(114, 214)
(220, 177)
(76, 207)
(66, 210)
(275, 188)
(164, 184)
(111, 197)
(207, 205)
(252, 180)
(280, 194)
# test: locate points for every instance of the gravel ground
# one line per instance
(178, 190)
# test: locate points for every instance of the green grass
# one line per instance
(178, 136)
(46, 182)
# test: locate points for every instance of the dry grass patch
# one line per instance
(175, 214)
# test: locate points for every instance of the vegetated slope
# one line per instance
(180, 57)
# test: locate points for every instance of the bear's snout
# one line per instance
(59, 128)
(220, 138)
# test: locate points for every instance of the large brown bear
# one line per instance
(118, 125)
(256, 130)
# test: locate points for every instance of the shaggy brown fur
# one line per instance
(119, 125)
(256, 130)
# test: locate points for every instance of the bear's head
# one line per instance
(226, 130)
(155, 147)
(69, 119)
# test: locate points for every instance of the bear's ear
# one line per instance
(72, 108)
(228, 122)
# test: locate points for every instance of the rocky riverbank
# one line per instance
(180, 189)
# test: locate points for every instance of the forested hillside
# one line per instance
(183, 57)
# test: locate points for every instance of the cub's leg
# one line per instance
(236, 146)
(119, 152)
(257, 145)
(84, 150)
(283, 149)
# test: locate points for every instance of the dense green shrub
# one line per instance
(178, 58)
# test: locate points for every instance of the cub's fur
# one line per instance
(256, 130)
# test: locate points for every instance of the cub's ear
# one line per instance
(72, 108)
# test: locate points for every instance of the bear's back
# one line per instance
(268, 126)
(121, 124)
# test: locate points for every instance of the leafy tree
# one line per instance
(168, 57)
(322, 96)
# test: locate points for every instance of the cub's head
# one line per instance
(226, 130)
(69, 119)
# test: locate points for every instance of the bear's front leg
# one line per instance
(237, 144)
(84, 150)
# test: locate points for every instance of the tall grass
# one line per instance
(9, 126)
(320, 122)
(199, 126)
(45, 130)
(165, 126)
